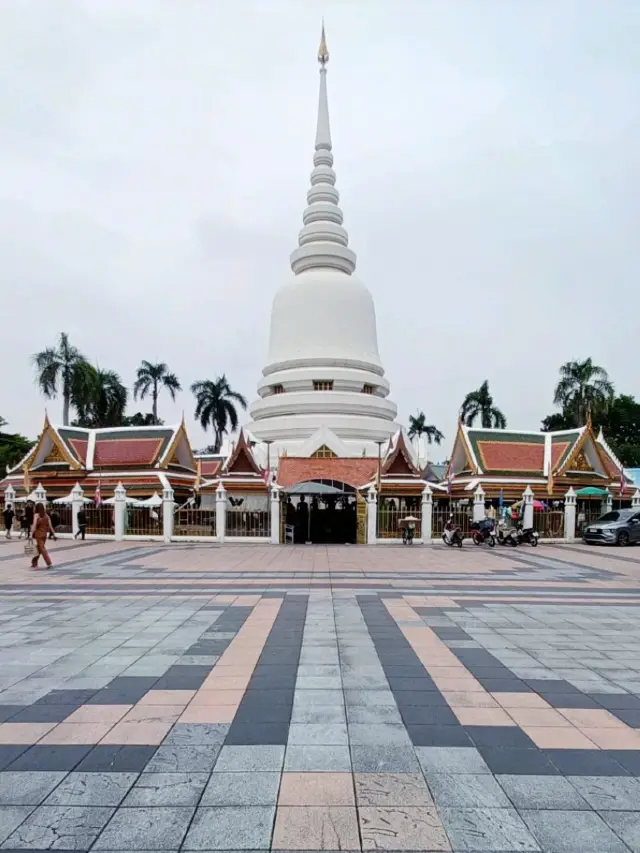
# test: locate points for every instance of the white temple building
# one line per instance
(323, 382)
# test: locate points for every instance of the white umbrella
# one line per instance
(68, 499)
(154, 500)
(129, 501)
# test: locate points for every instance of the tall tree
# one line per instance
(13, 447)
(141, 419)
(584, 388)
(150, 379)
(106, 400)
(418, 427)
(479, 403)
(63, 369)
(216, 407)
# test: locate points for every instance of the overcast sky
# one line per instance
(155, 156)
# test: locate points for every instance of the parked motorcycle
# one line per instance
(508, 536)
(483, 531)
(528, 536)
(452, 534)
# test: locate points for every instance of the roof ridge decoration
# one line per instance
(50, 431)
(600, 439)
(179, 434)
(400, 451)
(241, 449)
(586, 432)
(323, 241)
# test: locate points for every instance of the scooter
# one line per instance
(528, 536)
(483, 531)
(452, 534)
(508, 536)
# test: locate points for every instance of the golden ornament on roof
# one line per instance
(323, 53)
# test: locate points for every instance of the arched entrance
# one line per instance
(322, 512)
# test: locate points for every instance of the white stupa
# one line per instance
(323, 375)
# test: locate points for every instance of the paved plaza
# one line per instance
(196, 697)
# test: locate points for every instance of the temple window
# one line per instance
(368, 389)
(277, 389)
(323, 385)
(323, 452)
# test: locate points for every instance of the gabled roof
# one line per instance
(323, 436)
(51, 450)
(178, 453)
(242, 460)
(354, 471)
(131, 446)
(399, 461)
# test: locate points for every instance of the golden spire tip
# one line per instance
(323, 53)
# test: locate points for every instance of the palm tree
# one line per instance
(480, 403)
(2, 422)
(63, 368)
(215, 407)
(106, 403)
(584, 388)
(419, 427)
(150, 378)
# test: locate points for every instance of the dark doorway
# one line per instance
(322, 512)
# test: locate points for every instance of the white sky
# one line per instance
(155, 155)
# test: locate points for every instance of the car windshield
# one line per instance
(615, 515)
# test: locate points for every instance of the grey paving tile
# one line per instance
(391, 789)
(319, 714)
(402, 828)
(384, 759)
(309, 758)
(443, 759)
(242, 789)
(626, 825)
(231, 828)
(541, 792)
(27, 788)
(614, 793)
(92, 789)
(11, 817)
(179, 758)
(460, 790)
(166, 789)
(250, 759)
(370, 698)
(572, 832)
(59, 828)
(196, 733)
(329, 734)
(380, 734)
(487, 830)
(157, 828)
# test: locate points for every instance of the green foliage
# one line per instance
(480, 404)
(104, 400)
(584, 389)
(64, 370)
(150, 379)
(13, 447)
(418, 426)
(140, 419)
(216, 407)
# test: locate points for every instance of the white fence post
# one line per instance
(9, 496)
(527, 511)
(39, 494)
(570, 515)
(635, 500)
(607, 503)
(275, 516)
(119, 511)
(221, 512)
(478, 504)
(167, 514)
(372, 516)
(77, 502)
(427, 515)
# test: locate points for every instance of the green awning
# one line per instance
(591, 492)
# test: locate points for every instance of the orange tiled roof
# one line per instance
(209, 468)
(79, 447)
(511, 456)
(558, 449)
(355, 472)
(123, 451)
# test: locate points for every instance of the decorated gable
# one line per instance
(242, 460)
(399, 462)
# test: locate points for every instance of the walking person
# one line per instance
(82, 524)
(40, 529)
(8, 516)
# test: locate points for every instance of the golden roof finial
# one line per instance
(323, 53)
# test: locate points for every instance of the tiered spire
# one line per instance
(323, 242)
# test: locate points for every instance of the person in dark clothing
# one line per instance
(55, 521)
(82, 524)
(29, 513)
(8, 516)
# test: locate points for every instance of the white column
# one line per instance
(427, 515)
(77, 503)
(570, 515)
(527, 510)
(274, 505)
(478, 505)
(635, 500)
(372, 516)
(119, 511)
(39, 494)
(9, 496)
(221, 512)
(607, 503)
(167, 514)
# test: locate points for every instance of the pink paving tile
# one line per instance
(226, 682)
(468, 684)
(620, 738)
(217, 697)
(208, 714)
(483, 717)
(138, 733)
(167, 697)
(447, 671)
(538, 717)
(23, 732)
(154, 713)
(99, 714)
(592, 718)
(76, 733)
(520, 700)
(316, 828)
(561, 737)
(316, 789)
(462, 699)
